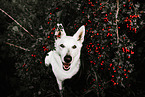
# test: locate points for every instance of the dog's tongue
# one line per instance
(66, 66)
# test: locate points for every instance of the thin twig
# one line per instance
(17, 46)
(96, 78)
(16, 22)
(117, 12)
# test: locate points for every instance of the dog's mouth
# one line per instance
(66, 66)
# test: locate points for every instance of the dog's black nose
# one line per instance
(67, 58)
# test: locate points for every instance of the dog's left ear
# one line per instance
(59, 32)
(79, 35)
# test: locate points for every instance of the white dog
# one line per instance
(65, 59)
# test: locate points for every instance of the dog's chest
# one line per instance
(62, 75)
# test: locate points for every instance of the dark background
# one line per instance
(9, 81)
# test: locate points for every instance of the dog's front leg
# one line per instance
(48, 58)
(60, 85)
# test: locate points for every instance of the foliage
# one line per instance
(107, 51)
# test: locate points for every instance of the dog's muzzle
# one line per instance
(66, 64)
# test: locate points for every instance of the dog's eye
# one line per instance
(62, 46)
(74, 46)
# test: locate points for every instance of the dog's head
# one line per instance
(68, 47)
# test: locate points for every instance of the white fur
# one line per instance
(56, 57)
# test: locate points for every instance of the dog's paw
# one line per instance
(47, 59)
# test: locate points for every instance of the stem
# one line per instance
(18, 46)
(16, 22)
(117, 11)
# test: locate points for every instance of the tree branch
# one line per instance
(117, 12)
(17, 46)
(16, 22)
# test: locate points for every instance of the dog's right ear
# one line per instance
(59, 32)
